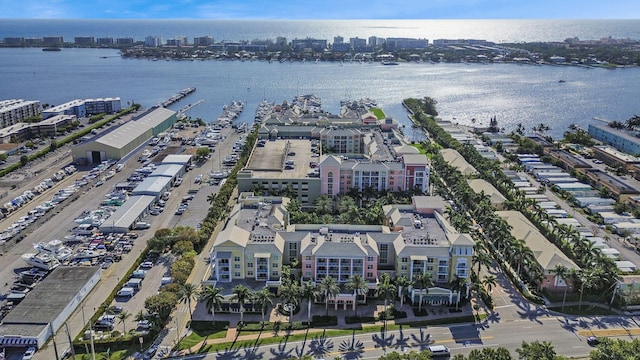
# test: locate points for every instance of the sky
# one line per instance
(319, 9)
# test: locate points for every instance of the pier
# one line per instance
(181, 112)
(177, 97)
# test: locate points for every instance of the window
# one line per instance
(370, 267)
(403, 267)
(384, 253)
(369, 275)
(236, 266)
(404, 259)
(308, 258)
(250, 264)
(275, 265)
(274, 273)
(307, 266)
(249, 273)
(307, 274)
(370, 259)
(237, 258)
(236, 274)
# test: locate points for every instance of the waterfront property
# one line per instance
(415, 239)
(120, 141)
(619, 139)
(84, 107)
(14, 111)
(360, 157)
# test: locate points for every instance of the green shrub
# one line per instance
(359, 319)
(319, 321)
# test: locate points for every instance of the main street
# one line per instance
(562, 332)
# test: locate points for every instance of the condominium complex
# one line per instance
(14, 111)
(85, 107)
(415, 239)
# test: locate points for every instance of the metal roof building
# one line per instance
(177, 159)
(47, 307)
(168, 170)
(121, 140)
(153, 186)
(127, 214)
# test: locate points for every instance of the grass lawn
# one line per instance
(117, 355)
(201, 330)
(378, 113)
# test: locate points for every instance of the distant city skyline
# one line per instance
(327, 9)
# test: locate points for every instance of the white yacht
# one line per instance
(41, 260)
(55, 248)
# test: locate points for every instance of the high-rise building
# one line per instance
(153, 41)
(203, 41)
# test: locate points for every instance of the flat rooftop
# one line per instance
(426, 231)
(269, 161)
(44, 303)
(614, 182)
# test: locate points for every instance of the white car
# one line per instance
(28, 355)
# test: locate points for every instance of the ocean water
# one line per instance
(236, 30)
(526, 94)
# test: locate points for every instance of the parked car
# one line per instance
(593, 340)
(28, 355)
(150, 352)
(144, 324)
(146, 264)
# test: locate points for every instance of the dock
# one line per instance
(177, 97)
(182, 111)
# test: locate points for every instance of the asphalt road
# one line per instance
(460, 339)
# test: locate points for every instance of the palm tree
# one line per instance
(263, 298)
(562, 272)
(187, 293)
(122, 318)
(588, 279)
(212, 296)
(385, 289)
(290, 294)
(324, 205)
(480, 257)
(310, 292)
(489, 281)
(422, 282)
(330, 288)
(241, 294)
(359, 286)
(140, 316)
(403, 283)
(457, 284)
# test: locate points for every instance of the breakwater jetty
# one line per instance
(177, 97)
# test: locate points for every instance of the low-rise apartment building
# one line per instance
(415, 239)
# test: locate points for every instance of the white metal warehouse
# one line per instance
(123, 219)
(153, 186)
(122, 140)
